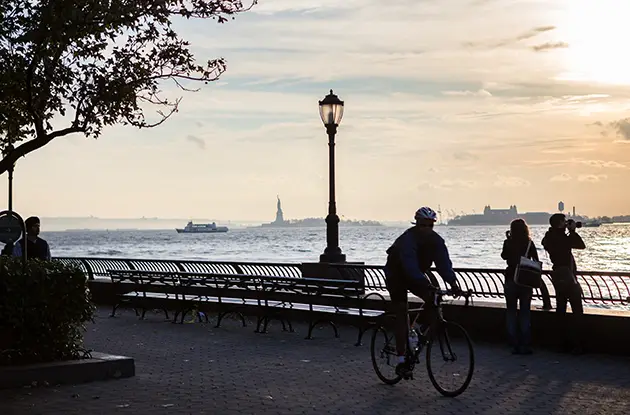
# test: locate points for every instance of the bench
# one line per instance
(184, 292)
(272, 297)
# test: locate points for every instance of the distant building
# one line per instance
(500, 217)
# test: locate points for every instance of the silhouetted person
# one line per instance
(408, 260)
(559, 241)
(36, 247)
(518, 244)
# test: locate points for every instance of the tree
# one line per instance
(88, 64)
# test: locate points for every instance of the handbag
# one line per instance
(528, 273)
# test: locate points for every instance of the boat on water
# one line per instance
(592, 224)
(202, 228)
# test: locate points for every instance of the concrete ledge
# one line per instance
(602, 330)
(100, 367)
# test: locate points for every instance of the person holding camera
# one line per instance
(559, 242)
(516, 245)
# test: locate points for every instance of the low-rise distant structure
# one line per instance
(503, 217)
(280, 222)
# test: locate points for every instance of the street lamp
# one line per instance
(331, 112)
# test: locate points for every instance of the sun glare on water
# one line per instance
(598, 35)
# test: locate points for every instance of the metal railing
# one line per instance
(599, 288)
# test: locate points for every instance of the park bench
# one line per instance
(182, 291)
(320, 300)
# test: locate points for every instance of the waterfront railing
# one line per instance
(600, 288)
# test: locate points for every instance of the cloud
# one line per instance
(511, 40)
(564, 177)
(465, 156)
(511, 181)
(535, 32)
(592, 178)
(622, 128)
(197, 141)
(479, 93)
(550, 46)
(448, 184)
(598, 164)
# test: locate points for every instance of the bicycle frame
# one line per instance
(437, 319)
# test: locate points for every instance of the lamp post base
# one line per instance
(332, 258)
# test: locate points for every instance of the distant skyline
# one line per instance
(458, 103)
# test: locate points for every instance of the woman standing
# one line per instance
(518, 244)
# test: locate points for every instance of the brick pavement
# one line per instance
(197, 369)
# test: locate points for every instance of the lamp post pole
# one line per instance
(331, 112)
(7, 151)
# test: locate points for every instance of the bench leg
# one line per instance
(289, 324)
(311, 326)
(264, 330)
(184, 312)
(362, 331)
(259, 323)
(225, 313)
(113, 314)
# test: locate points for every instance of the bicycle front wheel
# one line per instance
(384, 359)
(450, 359)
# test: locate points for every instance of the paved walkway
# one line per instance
(197, 369)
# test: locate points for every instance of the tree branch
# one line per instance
(33, 145)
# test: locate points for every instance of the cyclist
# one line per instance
(408, 260)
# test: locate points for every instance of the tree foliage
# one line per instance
(94, 63)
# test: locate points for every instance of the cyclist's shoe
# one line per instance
(402, 370)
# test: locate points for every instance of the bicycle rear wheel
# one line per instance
(384, 358)
(449, 345)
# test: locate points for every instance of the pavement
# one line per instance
(199, 369)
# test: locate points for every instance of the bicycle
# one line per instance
(439, 333)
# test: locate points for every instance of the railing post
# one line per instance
(88, 268)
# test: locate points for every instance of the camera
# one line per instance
(578, 224)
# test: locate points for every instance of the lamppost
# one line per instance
(331, 112)
(7, 151)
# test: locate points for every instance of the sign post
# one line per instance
(12, 227)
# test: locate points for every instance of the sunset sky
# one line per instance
(458, 103)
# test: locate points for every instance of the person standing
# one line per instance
(518, 298)
(559, 242)
(36, 247)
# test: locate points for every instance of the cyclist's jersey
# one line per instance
(412, 254)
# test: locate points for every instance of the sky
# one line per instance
(450, 103)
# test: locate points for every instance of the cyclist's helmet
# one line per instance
(425, 214)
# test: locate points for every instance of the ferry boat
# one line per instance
(202, 228)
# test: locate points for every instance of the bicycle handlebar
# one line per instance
(462, 293)
(466, 294)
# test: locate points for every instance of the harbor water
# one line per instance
(608, 246)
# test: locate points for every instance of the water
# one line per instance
(608, 247)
